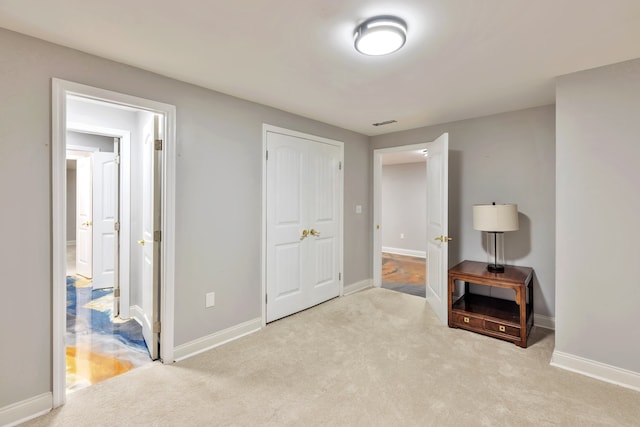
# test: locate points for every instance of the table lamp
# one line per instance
(496, 219)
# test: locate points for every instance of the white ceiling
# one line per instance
(462, 59)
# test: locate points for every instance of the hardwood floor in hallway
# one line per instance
(404, 274)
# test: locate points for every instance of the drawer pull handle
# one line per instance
(466, 320)
(502, 328)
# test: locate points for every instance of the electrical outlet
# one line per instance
(210, 299)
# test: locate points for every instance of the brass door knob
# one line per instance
(87, 223)
(141, 242)
(305, 234)
(443, 238)
(314, 232)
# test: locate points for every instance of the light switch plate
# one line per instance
(210, 299)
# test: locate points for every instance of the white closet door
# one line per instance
(324, 222)
(303, 223)
(286, 220)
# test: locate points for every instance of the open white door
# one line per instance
(117, 223)
(84, 218)
(437, 225)
(104, 174)
(150, 241)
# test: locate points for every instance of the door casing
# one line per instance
(61, 89)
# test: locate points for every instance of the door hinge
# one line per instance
(116, 226)
(158, 144)
(157, 236)
(116, 293)
(156, 327)
(118, 159)
(339, 276)
(340, 166)
(267, 155)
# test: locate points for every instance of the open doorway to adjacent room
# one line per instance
(435, 217)
(100, 341)
(113, 240)
(403, 191)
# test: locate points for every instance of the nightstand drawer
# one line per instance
(466, 320)
(499, 327)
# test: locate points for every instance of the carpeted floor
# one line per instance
(374, 358)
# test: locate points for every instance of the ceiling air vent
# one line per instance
(387, 122)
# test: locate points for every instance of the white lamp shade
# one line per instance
(495, 217)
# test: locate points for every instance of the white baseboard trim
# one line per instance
(71, 242)
(597, 370)
(405, 252)
(544, 321)
(26, 410)
(208, 342)
(356, 287)
(137, 313)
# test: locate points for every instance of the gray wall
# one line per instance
(218, 218)
(404, 206)
(502, 158)
(598, 206)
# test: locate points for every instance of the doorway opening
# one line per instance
(100, 342)
(403, 193)
(436, 240)
(113, 234)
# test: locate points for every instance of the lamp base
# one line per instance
(495, 268)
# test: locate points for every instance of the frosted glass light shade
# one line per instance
(497, 218)
(380, 35)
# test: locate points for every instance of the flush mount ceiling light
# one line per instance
(380, 35)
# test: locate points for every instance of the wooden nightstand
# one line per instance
(507, 320)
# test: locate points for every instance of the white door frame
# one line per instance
(377, 205)
(124, 202)
(60, 90)
(263, 256)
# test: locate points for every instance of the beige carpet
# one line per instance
(375, 358)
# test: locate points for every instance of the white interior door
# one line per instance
(324, 221)
(84, 238)
(149, 244)
(286, 223)
(105, 207)
(117, 224)
(303, 217)
(437, 225)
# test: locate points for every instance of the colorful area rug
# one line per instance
(99, 346)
